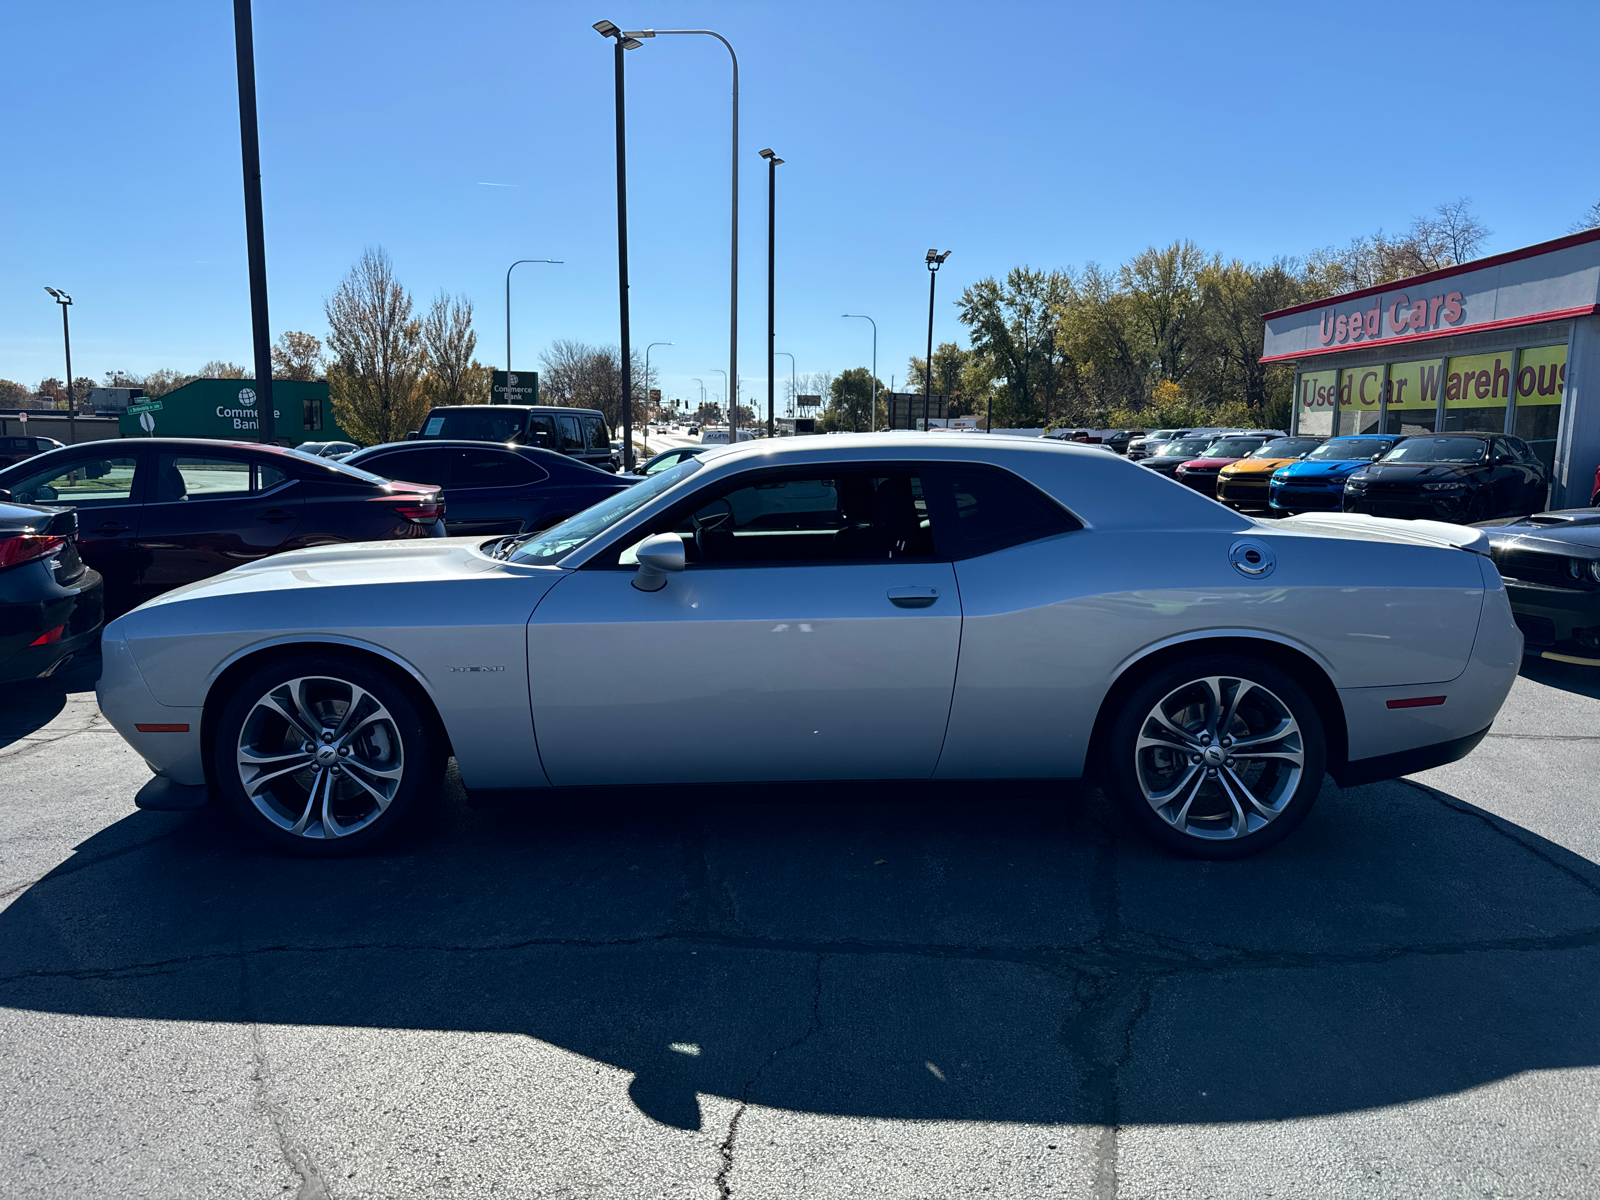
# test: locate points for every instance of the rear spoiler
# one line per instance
(1388, 529)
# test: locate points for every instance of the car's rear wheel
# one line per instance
(1217, 756)
(324, 755)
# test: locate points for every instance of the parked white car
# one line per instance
(886, 606)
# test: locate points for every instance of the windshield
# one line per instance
(1445, 450)
(475, 424)
(1286, 448)
(1188, 447)
(1348, 449)
(544, 548)
(1233, 447)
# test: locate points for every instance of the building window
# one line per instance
(312, 419)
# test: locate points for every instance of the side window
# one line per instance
(542, 431)
(200, 477)
(413, 466)
(85, 482)
(596, 435)
(491, 469)
(268, 478)
(774, 519)
(571, 434)
(311, 415)
(978, 510)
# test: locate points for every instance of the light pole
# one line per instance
(623, 42)
(793, 387)
(509, 269)
(66, 336)
(935, 260)
(733, 256)
(702, 393)
(874, 426)
(647, 350)
(255, 239)
(773, 162)
(724, 374)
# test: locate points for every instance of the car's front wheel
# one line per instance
(324, 755)
(1217, 756)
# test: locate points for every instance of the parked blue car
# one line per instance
(495, 488)
(1315, 483)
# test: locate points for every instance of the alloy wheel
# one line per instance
(320, 757)
(1219, 757)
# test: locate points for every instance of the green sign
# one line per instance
(153, 406)
(518, 387)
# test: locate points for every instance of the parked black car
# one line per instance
(1551, 565)
(1173, 454)
(156, 513)
(495, 489)
(1461, 477)
(51, 604)
(579, 433)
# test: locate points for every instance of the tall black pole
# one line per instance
(927, 394)
(250, 148)
(72, 403)
(772, 233)
(622, 268)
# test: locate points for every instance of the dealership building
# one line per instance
(1507, 344)
(226, 408)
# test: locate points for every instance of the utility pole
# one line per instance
(255, 240)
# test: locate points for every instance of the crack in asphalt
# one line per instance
(26, 745)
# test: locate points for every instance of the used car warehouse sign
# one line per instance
(1552, 281)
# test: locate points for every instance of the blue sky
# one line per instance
(1045, 134)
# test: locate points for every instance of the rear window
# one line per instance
(474, 424)
(987, 509)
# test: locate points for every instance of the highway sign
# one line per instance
(153, 406)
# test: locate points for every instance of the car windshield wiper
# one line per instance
(504, 546)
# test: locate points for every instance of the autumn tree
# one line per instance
(221, 369)
(378, 354)
(297, 356)
(448, 341)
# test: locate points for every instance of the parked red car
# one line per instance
(15, 449)
(1594, 500)
(1201, 473)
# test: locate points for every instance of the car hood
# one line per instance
(1336, 468)
(1256, 466)
(423, 560)
(1417, 472)
(1554, 532)
(1359, 527)
(1208, 464)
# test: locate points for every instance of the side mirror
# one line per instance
(658, 556)
(412, 436)
(5, 493)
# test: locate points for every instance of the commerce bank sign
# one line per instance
(1552, 281)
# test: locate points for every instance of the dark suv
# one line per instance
(580, 433)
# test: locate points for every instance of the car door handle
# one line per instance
(275, 515)
(110, 527)
(913, 597)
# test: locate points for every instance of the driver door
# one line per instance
(813, 635)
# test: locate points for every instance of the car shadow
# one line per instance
(1569, 677)
(29, 705)
(1007, 952)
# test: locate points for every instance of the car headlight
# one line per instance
(1355, 485)
(1444, 487)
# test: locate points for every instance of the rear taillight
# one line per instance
(25, 547)
(419, 510)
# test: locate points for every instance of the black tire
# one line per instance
(1214, 823)
(381, 770)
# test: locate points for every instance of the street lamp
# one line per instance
(793, 387)
(647, 350)
(623, 42)
(772, 232)
(66, 336)
(733, 285)
(935, 260)
(724, 374)
(861, 316)
(509, 269)
(702, 392)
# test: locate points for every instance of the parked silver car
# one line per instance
(884, 606)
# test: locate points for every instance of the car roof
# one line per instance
(529, 408)
(538, 453)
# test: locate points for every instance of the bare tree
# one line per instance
(585, 376)
(219, 369)
(378, 353)
(1589, 220)
(448, 342)
(297, 356)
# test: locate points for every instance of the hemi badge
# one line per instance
(1417, 702)
(162, 728)
(477, 668)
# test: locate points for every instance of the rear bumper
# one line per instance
(1562, 619)
(32, 605)
(1407, 762)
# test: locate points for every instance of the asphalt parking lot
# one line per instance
(901, 992)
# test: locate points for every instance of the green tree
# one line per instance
(850, 402)
(1014, 325)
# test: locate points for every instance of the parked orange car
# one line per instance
(1243, 484)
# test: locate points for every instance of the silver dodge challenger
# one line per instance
(883, 607)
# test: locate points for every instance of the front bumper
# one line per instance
(1303, 498)
(170, 739)
(1562, 620)
(1203, 482)
(1242, 491)
(1408, 507)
